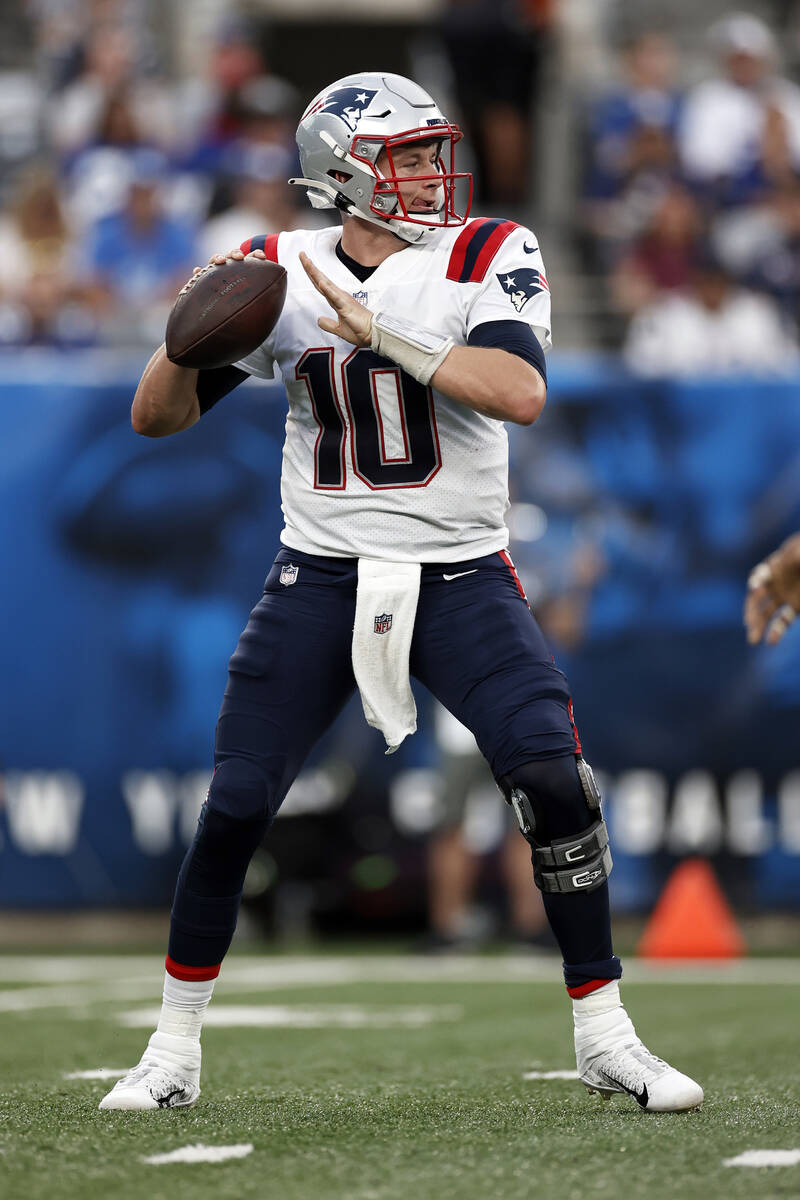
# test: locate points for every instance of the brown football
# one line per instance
(225, 312)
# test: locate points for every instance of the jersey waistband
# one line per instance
(336, 566)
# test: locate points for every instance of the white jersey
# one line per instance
(376, 464)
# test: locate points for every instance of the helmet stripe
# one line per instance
(475, 248)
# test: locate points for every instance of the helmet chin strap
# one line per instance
(408, 231)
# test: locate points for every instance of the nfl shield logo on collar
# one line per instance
(289, 575)
(383, 622)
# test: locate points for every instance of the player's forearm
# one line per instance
(492, 382)
(166, 398)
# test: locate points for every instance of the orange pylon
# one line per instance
(692, 918)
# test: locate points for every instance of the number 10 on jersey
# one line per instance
(359, 384)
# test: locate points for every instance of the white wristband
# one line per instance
(418, 351)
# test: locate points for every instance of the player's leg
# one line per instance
(529, 924)
(559, 814)
(452, 868)
(288, 679)
(479, 650)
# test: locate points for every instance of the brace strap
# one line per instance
(418, 351)
(574, 864)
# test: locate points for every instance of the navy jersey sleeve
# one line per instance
(214, 384)
(513, 336)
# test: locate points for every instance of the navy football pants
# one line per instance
(476, 647)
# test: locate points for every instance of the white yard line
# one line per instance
(200, 1154)
(304, 1016)
(764, 1158)
(67, 968)
(22, 1000)
(91, 980)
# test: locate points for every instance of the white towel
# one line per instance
(386, 605)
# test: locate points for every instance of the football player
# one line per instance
(773, 594)
(409, 336)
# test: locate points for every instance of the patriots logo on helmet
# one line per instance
(522, 284)
(347, 103)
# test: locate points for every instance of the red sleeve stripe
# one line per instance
(191, 974)
(475, 248)
(268, 242)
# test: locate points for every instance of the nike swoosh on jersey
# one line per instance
(458, 575)
(529, 249)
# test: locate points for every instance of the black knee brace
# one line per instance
(552, 798)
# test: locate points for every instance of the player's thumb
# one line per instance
(329, 325)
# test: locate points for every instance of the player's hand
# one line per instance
(219, 260)
(354, 323)
(773, 594)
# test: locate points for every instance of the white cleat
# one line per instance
(654, 1084)
(166, 1077)
(611, 1058)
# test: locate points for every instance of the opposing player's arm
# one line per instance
(773, 594)
(490, 380)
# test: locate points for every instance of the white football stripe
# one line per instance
(324, 1016)
(550, 1075)
(98, 1073)
(200, 1154)
(764, 1158)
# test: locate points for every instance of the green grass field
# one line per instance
(406, 1082)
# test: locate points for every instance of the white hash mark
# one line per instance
(200, 1154)
(764, 1158)
(98, 1073)
(550, 1075)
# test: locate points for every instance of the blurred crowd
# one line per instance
(118, 174)
(691, 205)
(115, 180)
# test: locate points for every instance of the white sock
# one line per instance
(600, 1021)
(601, 1000)
(183, 1007)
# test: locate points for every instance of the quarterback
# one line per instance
(410, 334)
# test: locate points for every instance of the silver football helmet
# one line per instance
(345, 130)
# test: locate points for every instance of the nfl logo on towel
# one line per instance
(383, 622)
(289, 575)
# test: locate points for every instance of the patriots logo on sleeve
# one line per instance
(522, 284)
(347, 103)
